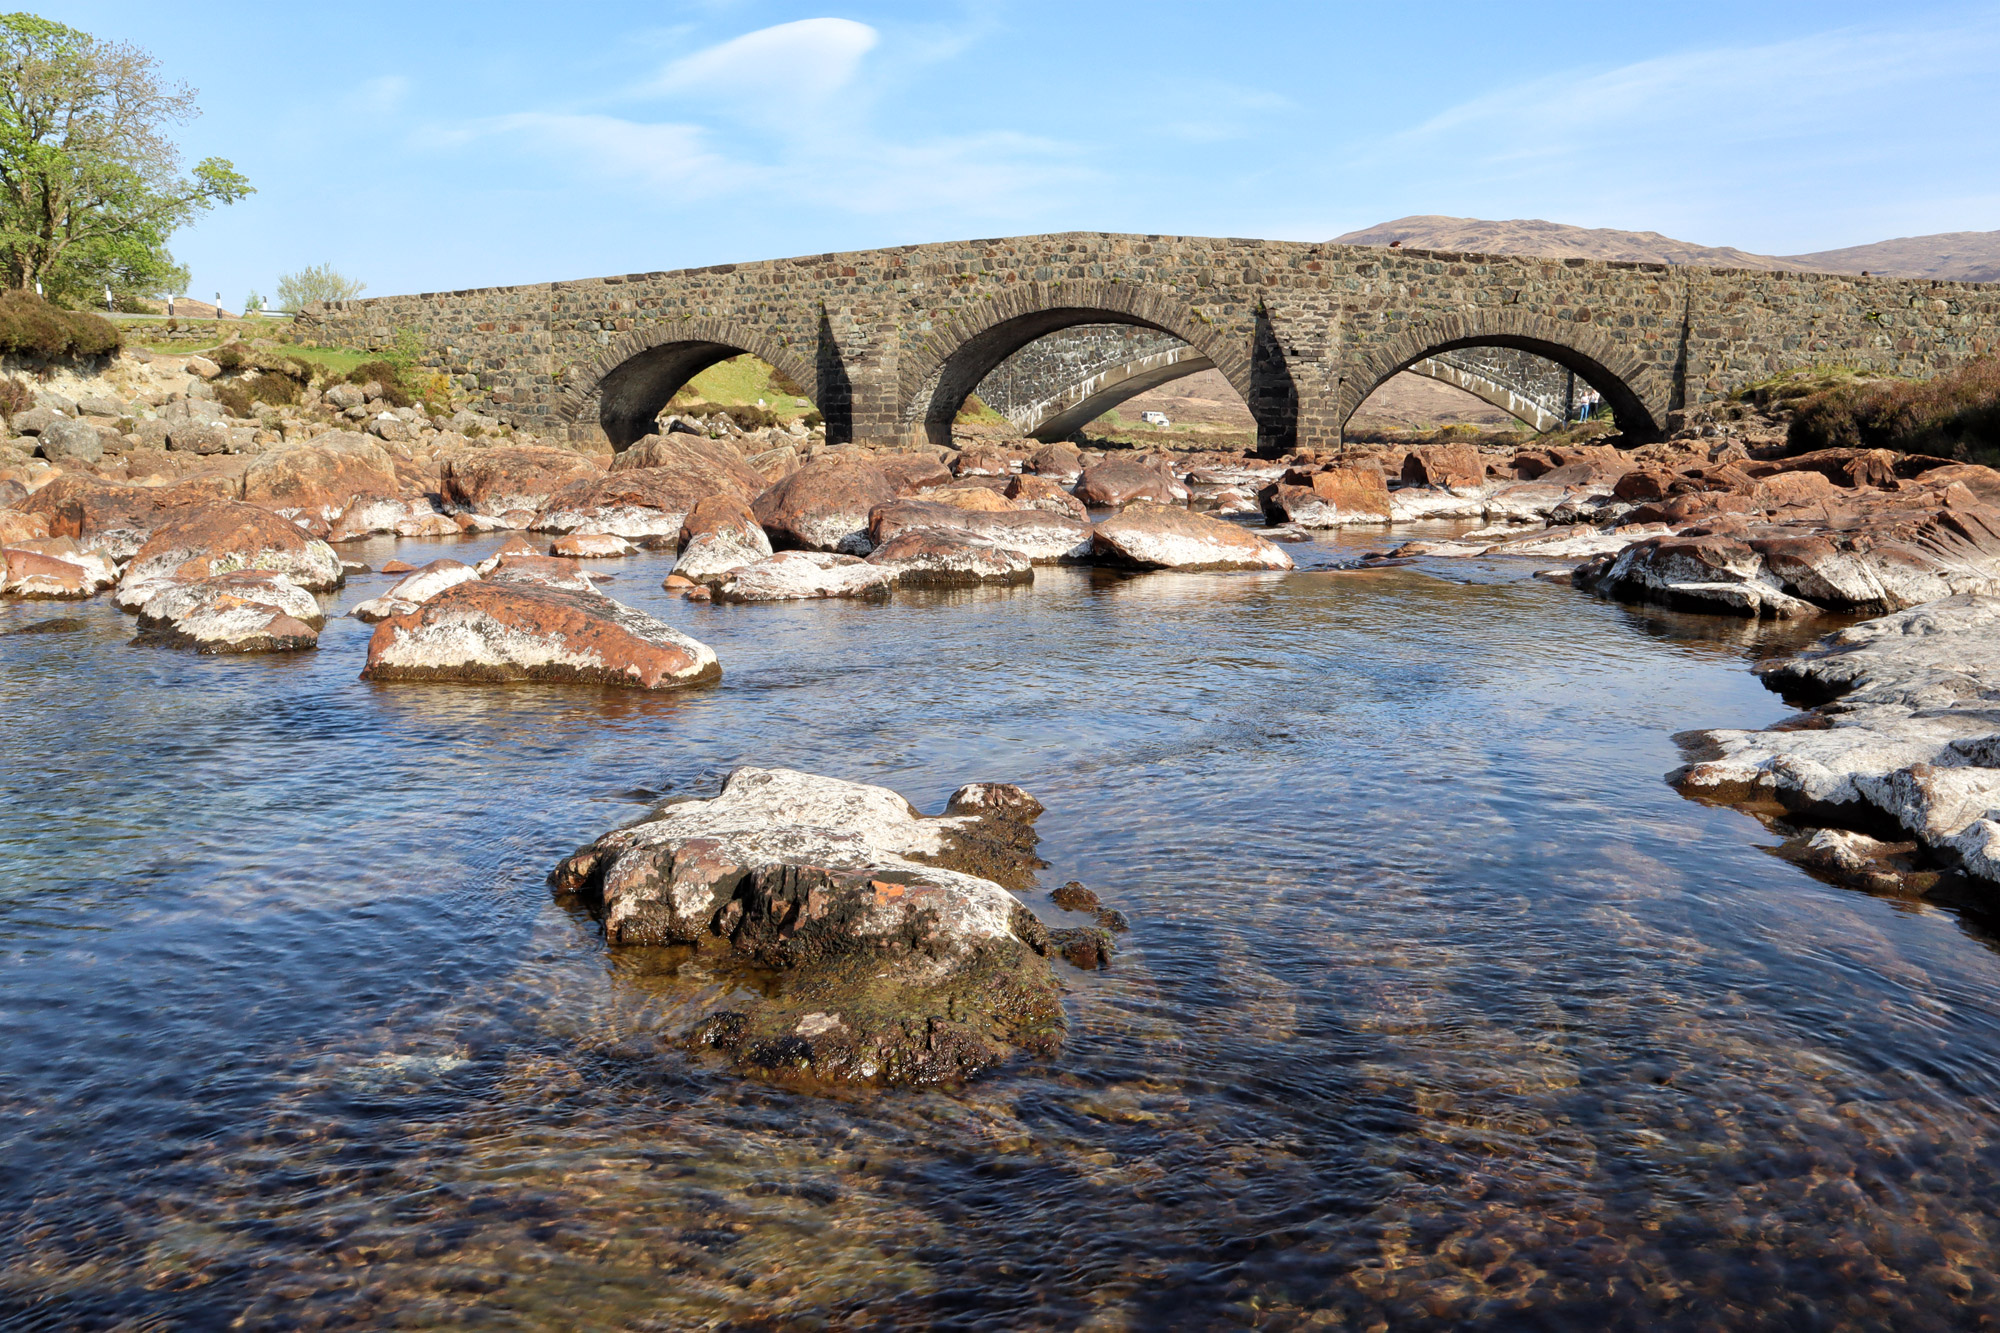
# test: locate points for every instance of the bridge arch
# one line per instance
(961, 349)
(623, 389)
(1637, 391)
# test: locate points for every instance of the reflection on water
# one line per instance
(1439, 1005)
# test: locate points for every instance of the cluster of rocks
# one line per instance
(1703, 526)
(899, 952)
(1892, 781)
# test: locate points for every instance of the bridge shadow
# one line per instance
(835, 389)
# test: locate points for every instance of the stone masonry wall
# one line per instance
(893, 339)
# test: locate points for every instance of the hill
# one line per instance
(1963, 256)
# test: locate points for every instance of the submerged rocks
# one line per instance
(242, 612)
(791, 576)
(1156, 536)
(490, 631)
(899, 962)
(1907, 741)
(824, 506)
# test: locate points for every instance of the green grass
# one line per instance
(740, 382)
(975, 412)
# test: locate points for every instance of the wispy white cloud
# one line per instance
(774, 119)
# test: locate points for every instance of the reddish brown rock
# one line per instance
(910, 473)
(323, 478)
(54, 569)
(17, 526)
(1444, 467)
(511, 477)
(1062, 461)
(223, 537)
(824, 506)
(591, 546)
(1117, 482)
(244, 612)
(1032, 491)
(1330, 498)
(983, 462)
(1156, 536)
(490, 632)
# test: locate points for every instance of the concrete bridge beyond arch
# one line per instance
(888, 342)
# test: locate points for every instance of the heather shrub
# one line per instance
(234, 395)
(230, 356)
(15, 396)
(1955, 415)
(30, 326)
(388, 376)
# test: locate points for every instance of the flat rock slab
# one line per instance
(54, 569)
(1156, 536)
(1045, 537)
(1906, 736)
(491, 632)
(897, 962)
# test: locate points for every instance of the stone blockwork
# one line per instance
(891, 341)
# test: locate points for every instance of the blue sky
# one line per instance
(424, 147)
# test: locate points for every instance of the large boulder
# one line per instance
(489, 631)
(221, 538)
(1444, 467)
(323, 478)
(19, 526)
(1117, 482)
(824, 506)
(719, 535)
(792, 576)
(243, 612)
(910, 473)
(1331, 498)
(1030, 490)
(508, 478)
(1044, 537)
(114, 517)
(904, 960)
(935, 558)
(65, 440)
(1062, 461)
(1157, 536)
(414, 589)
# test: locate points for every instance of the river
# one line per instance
(1439, 1006)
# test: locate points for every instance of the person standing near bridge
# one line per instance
(1587, 404)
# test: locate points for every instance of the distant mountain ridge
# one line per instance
(1957, 256)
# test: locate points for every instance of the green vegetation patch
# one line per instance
(1955, 415)
(738, 383)
(30, 326)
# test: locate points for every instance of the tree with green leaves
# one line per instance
(91, 187)
(316, 282)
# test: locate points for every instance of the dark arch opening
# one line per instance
(978, 356)
(631, 396)
(1635, 420)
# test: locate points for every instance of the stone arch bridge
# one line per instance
(890, 342)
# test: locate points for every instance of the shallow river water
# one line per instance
(1439, 1006)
